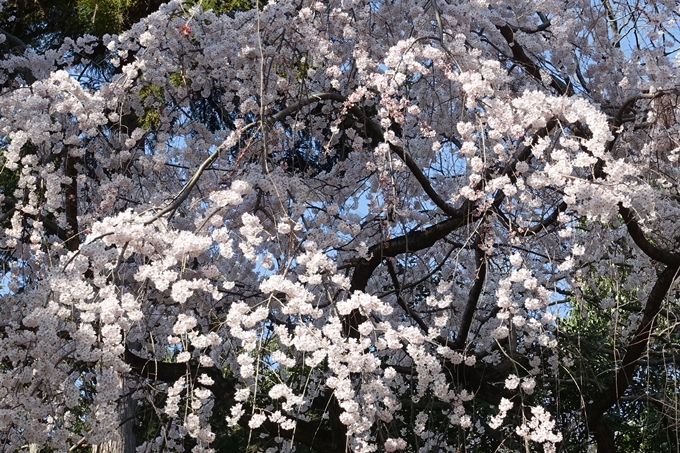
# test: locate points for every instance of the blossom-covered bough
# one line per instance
(343, 226)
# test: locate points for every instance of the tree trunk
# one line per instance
(125, 439)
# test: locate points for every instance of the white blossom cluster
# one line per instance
(375, 241)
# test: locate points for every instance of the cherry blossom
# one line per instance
(346, 225)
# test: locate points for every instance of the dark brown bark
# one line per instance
(526, 63)
(655, 253)
(624, 375)
(311, 434)
(410, 242)
(473, 296)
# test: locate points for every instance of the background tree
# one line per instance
(346, 226)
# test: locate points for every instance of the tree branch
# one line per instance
(523, 60)
(655, 253)
(473, 296)
(15, 45)
(278, 116)
(424, 181)
(624, 375)
(401, 301)
(306, 433)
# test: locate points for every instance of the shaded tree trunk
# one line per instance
(125, 439)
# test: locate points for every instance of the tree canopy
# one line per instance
(340, 226)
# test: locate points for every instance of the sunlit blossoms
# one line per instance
(342, 225)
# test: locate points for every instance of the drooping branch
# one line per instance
(638, 344)
(421, 239)
(375, 133)
(188, 187)
(630, 103)
(305, 432)
(411, 242)
(372, 131)
(546, 222)
(155, 370)
(177, 201)
(433, 271)
(626, 213)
